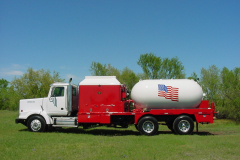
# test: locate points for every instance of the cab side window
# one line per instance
(74, 91)
(58, 92)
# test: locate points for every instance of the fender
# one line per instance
(47, 118)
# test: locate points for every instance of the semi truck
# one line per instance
(103, 100)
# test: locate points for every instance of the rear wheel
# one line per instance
(36, 124)
(148, 126)
(183, 125)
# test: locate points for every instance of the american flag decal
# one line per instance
(168, 92)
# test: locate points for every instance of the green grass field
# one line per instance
(220, 141)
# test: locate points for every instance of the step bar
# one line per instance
(65, 122)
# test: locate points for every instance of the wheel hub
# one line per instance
(184, 126)
(36, 125)
(148, 126)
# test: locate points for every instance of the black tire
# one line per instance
(136, 126)
(36, 124)
(183, 125)
(148, 126)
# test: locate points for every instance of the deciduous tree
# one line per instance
(193, 76)
(172, 69)
(4, 97)
(151, 65)
(35, 84)
(98, 69)
(126, 76)
(210, 82)
(112, 71)
(157, 68)
(129, 78)
(230, 93)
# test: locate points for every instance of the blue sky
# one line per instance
(67, 36)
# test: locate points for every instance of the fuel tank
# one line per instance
(167, 94)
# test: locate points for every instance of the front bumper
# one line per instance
(16, 121)
(22, 121)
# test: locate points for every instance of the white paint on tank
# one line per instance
(185, 94)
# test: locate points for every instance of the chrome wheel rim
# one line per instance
(36, 125)
(148, 126)
(184, 126)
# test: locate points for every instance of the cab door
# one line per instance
(56, 105)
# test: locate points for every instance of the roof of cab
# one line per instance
(59, 84)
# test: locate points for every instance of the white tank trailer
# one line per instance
(167, 94)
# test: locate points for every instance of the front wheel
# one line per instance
(183, 125)
(148, 126)
(36, 124)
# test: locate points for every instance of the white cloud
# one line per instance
(16, 66)
(13, 73)
(12, 70)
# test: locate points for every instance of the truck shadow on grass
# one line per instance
(114, 132)
(119, 132)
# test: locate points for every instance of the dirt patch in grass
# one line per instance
(225, 133)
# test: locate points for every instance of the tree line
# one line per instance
(33, 84)
(222, 86)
